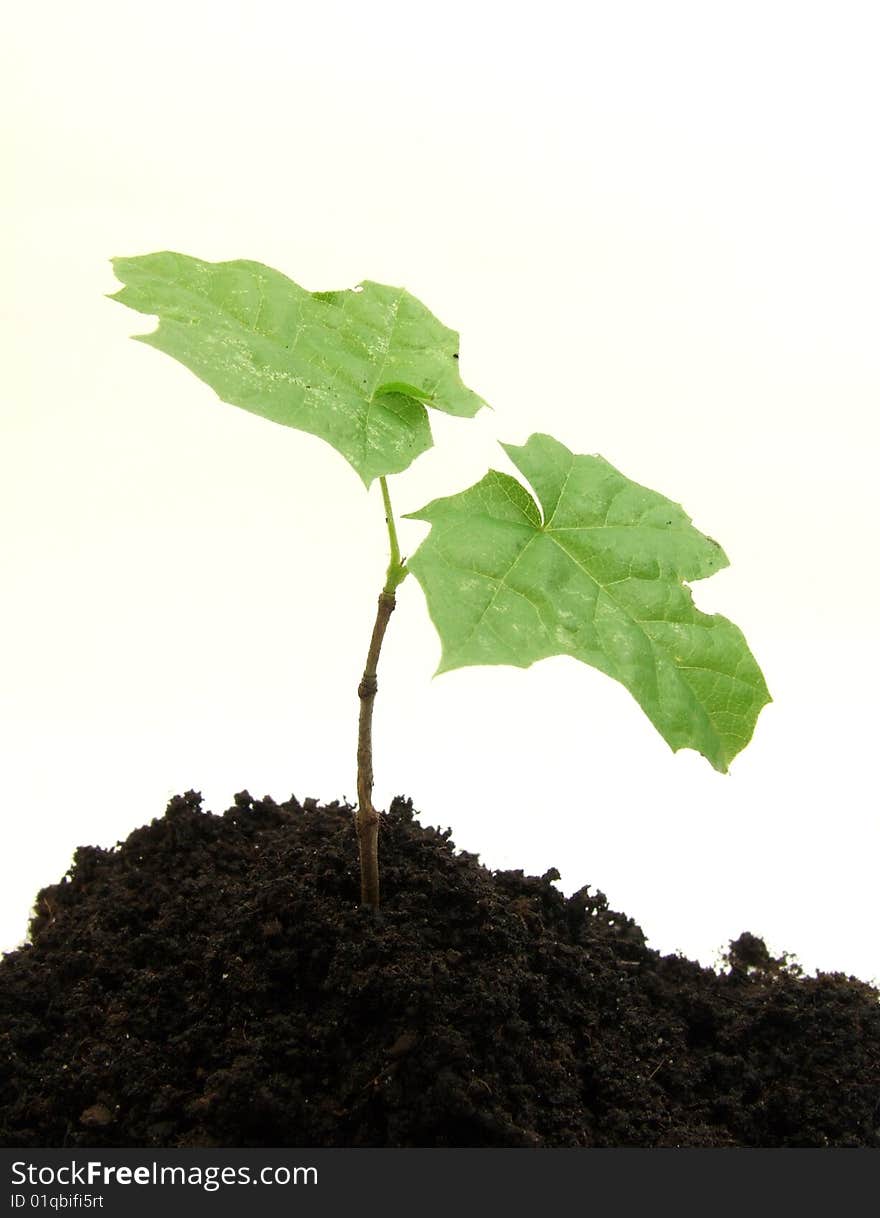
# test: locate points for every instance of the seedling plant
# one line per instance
(575, 559)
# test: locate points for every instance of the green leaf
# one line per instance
(598, 574)
(353, 367)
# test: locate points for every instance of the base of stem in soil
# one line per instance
(214, 982)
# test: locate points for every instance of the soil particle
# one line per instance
(213, 982)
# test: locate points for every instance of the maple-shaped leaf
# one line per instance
(354, 367)
(598, 573)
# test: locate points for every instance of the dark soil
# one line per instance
(212, 982)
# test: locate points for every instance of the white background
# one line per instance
(654, 225)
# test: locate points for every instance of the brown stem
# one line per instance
(367, 818)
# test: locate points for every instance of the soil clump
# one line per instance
(212, 981)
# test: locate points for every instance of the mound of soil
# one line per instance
(212, 982)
